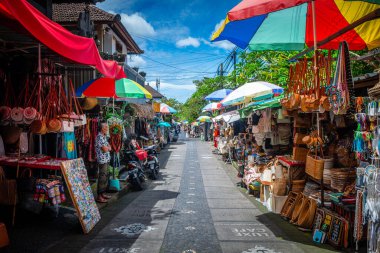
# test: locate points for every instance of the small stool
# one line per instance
(4, 240)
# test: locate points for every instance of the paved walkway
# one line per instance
(194, 207)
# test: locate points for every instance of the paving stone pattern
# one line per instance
(194, 207)
(191, 228)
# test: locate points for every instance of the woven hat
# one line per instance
(89, 103)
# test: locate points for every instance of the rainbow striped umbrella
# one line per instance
(288, 25)
(212, 107)
(105, 87)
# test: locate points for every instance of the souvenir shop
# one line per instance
(312, 156)
(47, 142)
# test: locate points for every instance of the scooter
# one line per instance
(134, 179)
(150, 165)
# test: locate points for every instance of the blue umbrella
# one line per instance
(164, 124)
(218, 95)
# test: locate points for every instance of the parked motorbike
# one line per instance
(149, 165)
(134, 178)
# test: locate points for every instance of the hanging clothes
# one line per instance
(69, 145)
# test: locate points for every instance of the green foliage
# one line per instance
(172, 102)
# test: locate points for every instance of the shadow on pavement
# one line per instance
(47, 233)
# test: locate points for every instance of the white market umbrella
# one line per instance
(248, 91)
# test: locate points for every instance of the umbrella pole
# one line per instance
(315, 58)
(113, 105)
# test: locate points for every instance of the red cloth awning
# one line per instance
(73, 47)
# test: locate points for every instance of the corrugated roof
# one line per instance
(69, 12)
(155, 93)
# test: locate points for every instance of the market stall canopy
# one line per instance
(73, 47)
(204, 119)
(230, 117)
(218, 95)
(212, 107)
(143, 110)
(217, 118)
(260, 105)
(163, 124)
(254, 90)
(166, 109)
(288, 25)
(105, 87)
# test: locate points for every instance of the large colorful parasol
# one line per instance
(254, 90)
(105, 87)
(166, 109)
(212, 107)
(288, 25)
(218, 95)
(204, 119)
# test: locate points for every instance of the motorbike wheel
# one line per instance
(154, 173)
(136, 183)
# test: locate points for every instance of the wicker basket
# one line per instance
(298, 138)
(299, 154)
(297, 209)
(329, 163)
(327, 175)
(307, 214)
(314, 166)
(288, 207)
(298, 185)
(341, 178)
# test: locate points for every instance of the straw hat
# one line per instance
(89, 103)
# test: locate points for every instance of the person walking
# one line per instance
(216, 136)
(103, 149)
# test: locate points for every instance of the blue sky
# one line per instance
(175, 37)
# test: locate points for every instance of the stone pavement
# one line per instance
(195, 206)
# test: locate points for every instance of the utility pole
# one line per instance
(221, 73)
(158, 84)
(234, 55)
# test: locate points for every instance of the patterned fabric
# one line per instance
(102, 157)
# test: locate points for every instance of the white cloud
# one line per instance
(218, 25)
(137, 25)
(136, 61)
(171, 86)
(189, 41)
(224, 44)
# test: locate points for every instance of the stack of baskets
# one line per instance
(374, 92)
(311, 188)
(341, 178)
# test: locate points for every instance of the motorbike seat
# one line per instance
(152, 147)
